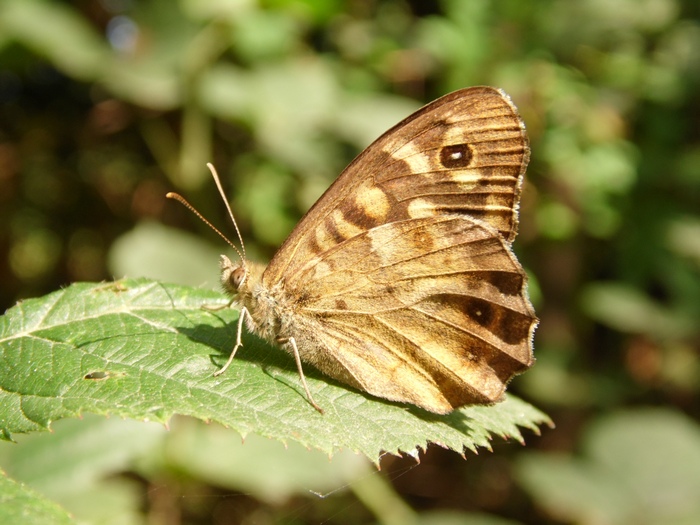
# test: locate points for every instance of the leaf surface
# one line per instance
(146, 350)
(20, 504)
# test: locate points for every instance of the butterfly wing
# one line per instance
(400, 277)
(464, 153)
(430, 311)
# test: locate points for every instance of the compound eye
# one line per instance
(237, 277)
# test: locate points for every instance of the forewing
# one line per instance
(464, 154)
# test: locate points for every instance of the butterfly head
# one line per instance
(240, 280)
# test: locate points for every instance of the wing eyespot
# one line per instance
(456, 156)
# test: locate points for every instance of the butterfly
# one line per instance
(400, 280)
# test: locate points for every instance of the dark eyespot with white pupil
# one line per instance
(456, 156)
(237, 277)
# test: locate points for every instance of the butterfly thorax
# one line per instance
(244, 283)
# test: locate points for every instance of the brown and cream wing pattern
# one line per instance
(430, 311)
(465, 154)
(400, 280)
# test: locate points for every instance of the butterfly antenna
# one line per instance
(183, 201)
(228, 206)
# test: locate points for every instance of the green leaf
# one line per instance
(19, 504)
(154, 250)
(71, 44)
(636, 466)
(146, 350)
(630, 310)
(83, 477)
(262, 468)
(92, 449)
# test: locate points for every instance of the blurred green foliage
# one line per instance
(107, 105)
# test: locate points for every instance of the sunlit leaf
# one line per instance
(146, 350)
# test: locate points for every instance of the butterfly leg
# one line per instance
(241, 318)
(292, 342)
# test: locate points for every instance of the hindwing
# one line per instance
(430, 311)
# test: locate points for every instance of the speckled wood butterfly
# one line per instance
(400, 281)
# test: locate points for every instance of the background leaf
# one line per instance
(19, 504)
(77, 465)
(641, 466)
